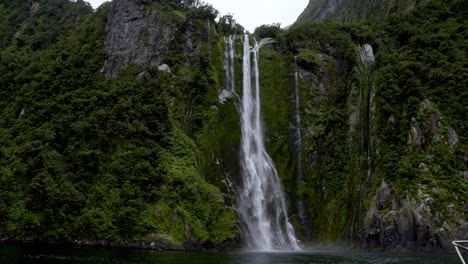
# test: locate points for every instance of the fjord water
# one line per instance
(34, 254)
(261, 200)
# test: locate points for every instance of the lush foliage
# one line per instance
(153, 155)
(351, 114)
(85, 157)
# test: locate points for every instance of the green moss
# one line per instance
(310, 56)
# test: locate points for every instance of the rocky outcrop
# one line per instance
(366, 54)
(429, 127)
(393, 222)
(464, 174)
(136, 34)
(424, 220)
(139, 32)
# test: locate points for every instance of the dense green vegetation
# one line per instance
(425, 59)
(85, 157)
(150, 155)
(417, 82)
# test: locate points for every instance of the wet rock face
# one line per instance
(136, 34)
(383, 195)
(366, 54)
(410, 223)
(464, 174)
(453, 137)
(416, 134)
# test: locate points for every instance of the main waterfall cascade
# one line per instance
(261, 200)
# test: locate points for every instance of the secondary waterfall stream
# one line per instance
(261, 200)
(366, 55)
(301, 212)
(229, 66)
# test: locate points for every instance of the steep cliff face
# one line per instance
(345, 11)
(419, 220)
(150, 34)
(413, 222)
(136, 34)
(383, 154)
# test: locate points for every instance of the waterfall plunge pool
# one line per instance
(26, 254)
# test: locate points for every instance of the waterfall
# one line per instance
(366, 55)
(298, 146)
(298, 122)
(229, 56)
(229, 69)
(261, 201)
(232, 54)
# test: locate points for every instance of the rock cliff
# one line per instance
(394, 222)
(144, 34)
(383, 160)
(346, 10)
(136, 34)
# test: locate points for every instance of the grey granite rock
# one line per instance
(136, 34)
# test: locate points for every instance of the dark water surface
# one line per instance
(53, 254)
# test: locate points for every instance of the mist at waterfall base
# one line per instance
(36, 254)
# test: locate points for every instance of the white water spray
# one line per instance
(261, 201)
(229, 56)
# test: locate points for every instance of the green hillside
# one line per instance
(112, 128)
